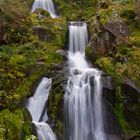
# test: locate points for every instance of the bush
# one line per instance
(13, 14)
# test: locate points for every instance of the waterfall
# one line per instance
(47, 5)
(44, 131)
(83, 96)
(37, 107)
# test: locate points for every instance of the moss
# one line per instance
(76, 10)
(9, 128)
(106, 63)
(31, 137)
(92, 54)
(54, 109)
(54, 104)
(22, 64)
(134, 38)
(119, 108)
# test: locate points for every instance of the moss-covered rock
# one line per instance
(55, 101)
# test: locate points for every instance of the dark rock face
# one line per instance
(118, 29)
(55, 100)
(43, 34)
(104, 42)
(105, 37)
(131, 106)
(111, 124)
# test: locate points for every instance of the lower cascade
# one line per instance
(83, 96)
(47, 5)
(37, 107)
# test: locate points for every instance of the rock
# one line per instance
(131, 84)
(114, 137)
(106, 35)
(105, 41)
(43, 34)
(55, 101)
(111, 124)
(41, 63)
(118, 29)
(61, 52)
(108, 83)
(131, 106)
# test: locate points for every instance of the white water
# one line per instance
(44, 131)
(82, 102)
(46, 5)
(37, 107)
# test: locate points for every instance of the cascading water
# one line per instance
(46, 5)
(83, 96)
(37, 107)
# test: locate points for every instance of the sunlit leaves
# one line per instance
(107, 64)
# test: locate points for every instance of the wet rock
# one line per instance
(114, 137)
(108, 83)
(111, 124)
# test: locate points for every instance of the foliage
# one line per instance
(14, 23)
(76, 10)
(107, 64)
(54, 109)
(24, 58)
(31, 137)
(13, 126)
(123, 59)
(118, 109)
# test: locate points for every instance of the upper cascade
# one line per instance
(78, 37)
(47, 5)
